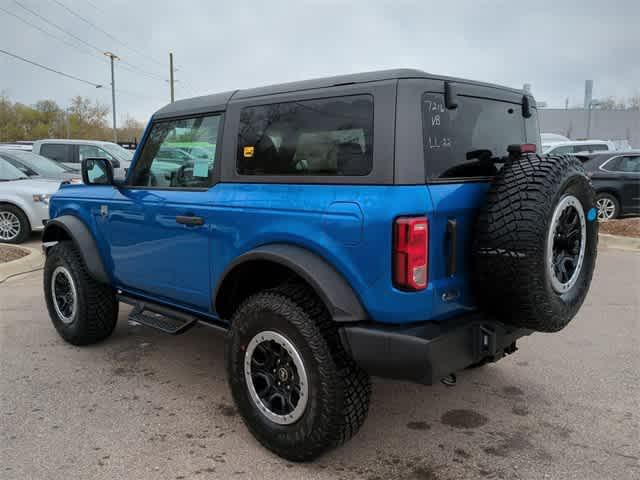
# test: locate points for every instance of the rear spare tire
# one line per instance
(536, 242)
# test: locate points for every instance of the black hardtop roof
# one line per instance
(219, 101)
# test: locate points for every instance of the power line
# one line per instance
(99, 50)
(50, 69)
(58, 27)
(97, 27)
(60, 39)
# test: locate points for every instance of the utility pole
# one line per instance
(113, 57)
(171, 75)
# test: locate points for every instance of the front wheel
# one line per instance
(14, 224)
(82, 310)
(296, 388)
(608, 206)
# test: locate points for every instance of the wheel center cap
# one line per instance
(283, 374)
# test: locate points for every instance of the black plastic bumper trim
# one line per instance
(428, 351)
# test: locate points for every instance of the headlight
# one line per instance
(43, 197)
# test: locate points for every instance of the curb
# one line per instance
(32, 261)
(619, 242)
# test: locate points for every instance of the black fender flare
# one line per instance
(83, 240)
(335, 292)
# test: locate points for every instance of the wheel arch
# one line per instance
(269, 265)
(71, 228)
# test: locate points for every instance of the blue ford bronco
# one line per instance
(395, 224)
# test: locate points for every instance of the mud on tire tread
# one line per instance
(510, 273)
(97, 312)
(341, 402)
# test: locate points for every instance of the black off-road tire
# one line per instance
(511, 276)
(25, 226)
(339, 390)
(96, 313)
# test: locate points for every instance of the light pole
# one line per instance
(112, 57)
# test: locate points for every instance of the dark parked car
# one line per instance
(616, 180)
(33, 165)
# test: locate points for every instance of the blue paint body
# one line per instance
(148, 254)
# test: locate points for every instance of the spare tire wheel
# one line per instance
(535, 243)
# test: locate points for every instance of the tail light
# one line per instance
(411, 253)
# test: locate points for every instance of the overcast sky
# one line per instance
(224, 45)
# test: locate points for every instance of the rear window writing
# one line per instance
(479, 127)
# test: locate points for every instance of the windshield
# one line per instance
(39, 164)
(9, 172)
(118, 152)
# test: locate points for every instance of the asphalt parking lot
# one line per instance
(145, 405)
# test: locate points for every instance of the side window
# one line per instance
(20, 166)
(612, 165)
(585, 148)
(566, 150)
(91, 151)
(179, 154)
(630, 164)
(57, 152)
(329, 136)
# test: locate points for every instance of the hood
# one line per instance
(35, 185)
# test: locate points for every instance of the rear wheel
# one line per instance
(14, 224)
(608, 206)
(536, 243)
(296, 388)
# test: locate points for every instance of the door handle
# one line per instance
(189, 220)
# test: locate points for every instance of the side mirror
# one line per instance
(97, 171)
(115, 163)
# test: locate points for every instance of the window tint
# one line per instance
(179, 154)
(611, 165)
(629, 164)
(91, 151)
(591, 148)
(58, 152)
(20, 166)
(565, 150)
(480, 128)
(331, 136)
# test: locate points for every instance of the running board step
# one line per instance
(161, 318)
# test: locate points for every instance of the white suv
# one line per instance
(577, 146)
(72, 152)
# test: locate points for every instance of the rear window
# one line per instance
(477, 124)
(329, 136)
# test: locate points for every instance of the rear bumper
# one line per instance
(427, 352)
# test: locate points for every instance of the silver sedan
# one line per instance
(24, 203)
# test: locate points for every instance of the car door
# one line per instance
(160, 223)
(629, 168)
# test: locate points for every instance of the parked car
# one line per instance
(72, 152)
(616, 180)
(574, 147)
(27, 146)
(33, 165)
(24, 203)
(548, 138)
(331, 243)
